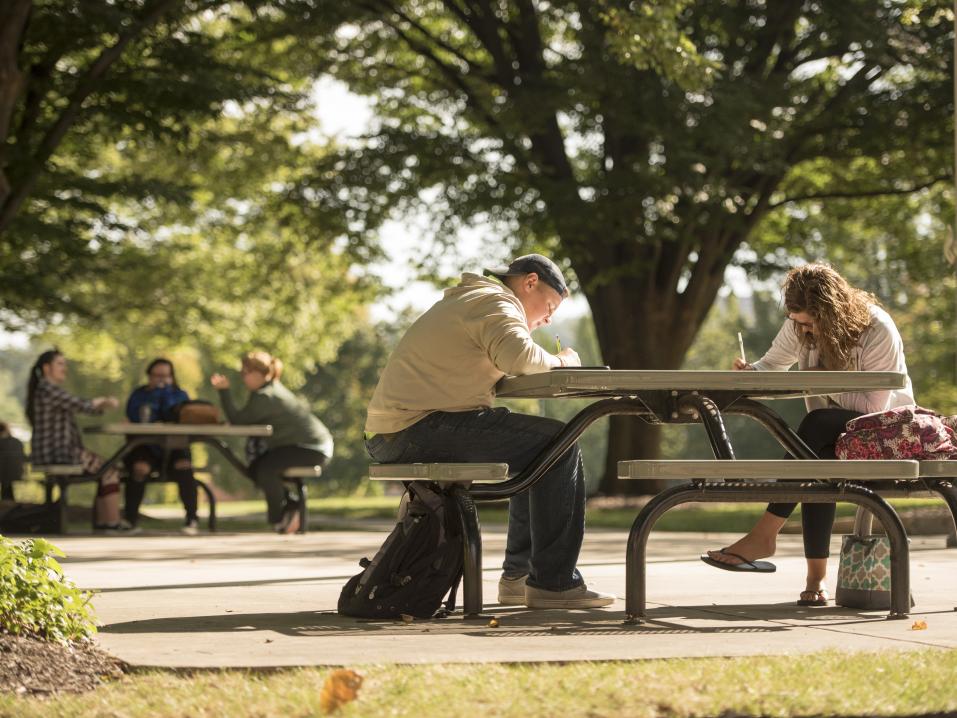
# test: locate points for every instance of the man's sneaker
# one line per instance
(125, 528)
(578, 597)
(191, 528)
(511, 591)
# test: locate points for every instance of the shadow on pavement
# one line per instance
(512, 622)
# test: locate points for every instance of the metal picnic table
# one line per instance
(665, 397)
(179, 436)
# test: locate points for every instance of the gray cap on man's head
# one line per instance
(545, 268)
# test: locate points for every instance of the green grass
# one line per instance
(832, 683)
(731, 517)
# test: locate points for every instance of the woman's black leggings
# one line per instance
(820, 430)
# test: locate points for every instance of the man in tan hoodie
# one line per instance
(434, 402)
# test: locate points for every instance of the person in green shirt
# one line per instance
(298, 438)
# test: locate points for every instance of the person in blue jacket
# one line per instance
(155, 401)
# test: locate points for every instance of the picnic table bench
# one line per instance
(58, 478)
(663, 397)
(808, 481)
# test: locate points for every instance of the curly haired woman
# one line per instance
(830, 326)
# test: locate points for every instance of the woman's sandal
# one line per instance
(813, 598)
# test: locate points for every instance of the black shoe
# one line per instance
(289, 523)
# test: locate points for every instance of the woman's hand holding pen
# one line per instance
(741, 362)
(741, 365)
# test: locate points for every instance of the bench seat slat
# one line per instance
(302, 472)
(59, 469)
(438, 472)
(747, 469)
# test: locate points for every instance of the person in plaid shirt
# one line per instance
(51, 410)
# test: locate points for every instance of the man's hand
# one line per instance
(569, 357)
(105, 402)
(741, 365)
(219, 381)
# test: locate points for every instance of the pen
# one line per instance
(558, 345)
(741, 347)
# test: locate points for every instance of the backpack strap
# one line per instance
(450, 602)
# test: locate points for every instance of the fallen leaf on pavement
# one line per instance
(919, 626)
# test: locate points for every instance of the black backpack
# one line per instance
(416, 567)
(19, 518)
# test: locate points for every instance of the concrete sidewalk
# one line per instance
(259, 600)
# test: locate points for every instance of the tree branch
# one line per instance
(429, 37)
(84, 88)
(455, 80)
(861, 194)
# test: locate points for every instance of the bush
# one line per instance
(36, 599)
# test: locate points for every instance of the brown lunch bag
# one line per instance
(196, 411)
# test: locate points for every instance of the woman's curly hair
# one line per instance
(841, 312)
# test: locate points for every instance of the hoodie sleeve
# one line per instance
(133, 405)
(504, 334)
(256, 410)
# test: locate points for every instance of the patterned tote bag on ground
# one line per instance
(864, 576)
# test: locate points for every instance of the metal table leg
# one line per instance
(472, 553)
(635, 568)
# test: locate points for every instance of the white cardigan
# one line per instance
(880, 348)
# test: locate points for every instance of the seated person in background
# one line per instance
(154, 401)
(830, 326)
(51, 410)
(298, 437)
(434, 401)
(11, 461)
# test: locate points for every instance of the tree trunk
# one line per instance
(656, 338)
(13, 23)
(630, 437)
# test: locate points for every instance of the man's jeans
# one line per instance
(545, 523)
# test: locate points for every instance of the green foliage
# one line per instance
(169, 202)
(36, 599)
(339, 392)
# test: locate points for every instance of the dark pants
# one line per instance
(267, 470)
(820, 430)
(135, 490)
(546, 523)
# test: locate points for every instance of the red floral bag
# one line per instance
(905, 432)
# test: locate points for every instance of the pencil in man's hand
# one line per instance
(741, 347)
(558, 345)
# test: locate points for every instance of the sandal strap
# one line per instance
(742, 559)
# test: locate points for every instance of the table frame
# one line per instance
(668, 405)
(178, 436)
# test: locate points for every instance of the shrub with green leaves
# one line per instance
(35, 597)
